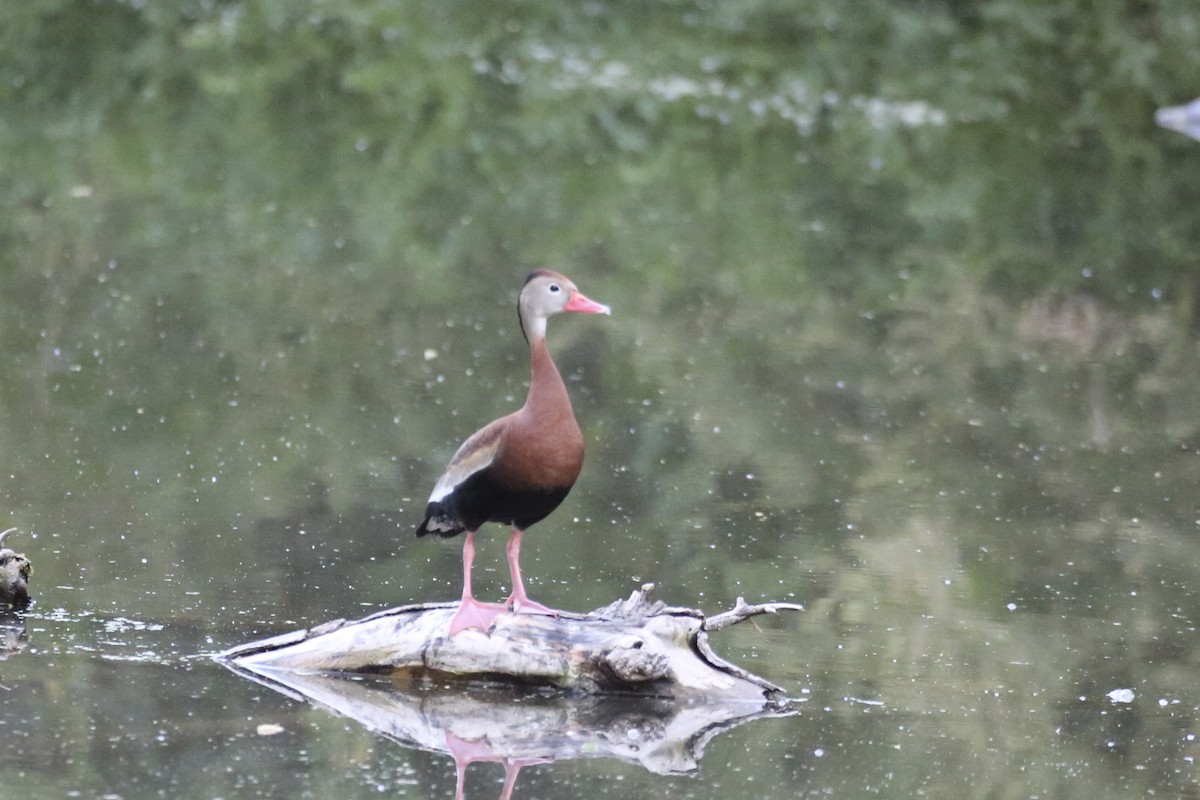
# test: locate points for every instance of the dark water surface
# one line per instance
(904, 330)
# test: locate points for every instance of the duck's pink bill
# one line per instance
(578, 302)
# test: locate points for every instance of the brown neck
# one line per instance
(547, 392)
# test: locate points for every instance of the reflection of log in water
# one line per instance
(13, 635)
(518, 728)
(664, 736)
(632, 647)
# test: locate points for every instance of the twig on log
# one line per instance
(743, 611)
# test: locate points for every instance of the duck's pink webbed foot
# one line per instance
(523, 605)
(473, 614)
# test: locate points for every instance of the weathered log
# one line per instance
(632, 647)
(635, 681)
(14, 576)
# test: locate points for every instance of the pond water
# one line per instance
(903, 331)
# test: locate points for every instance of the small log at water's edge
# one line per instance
(635, 647)
(14, 576)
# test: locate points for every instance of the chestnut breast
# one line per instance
(541, 451)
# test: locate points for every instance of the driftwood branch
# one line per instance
(635, 647)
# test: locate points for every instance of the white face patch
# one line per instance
(543, 297)
(535, 328)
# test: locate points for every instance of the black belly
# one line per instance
(481, 499)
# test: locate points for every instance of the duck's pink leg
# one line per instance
(471, 613)
(518, 601)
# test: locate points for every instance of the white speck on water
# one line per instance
(1011, 606)
(1121, 695)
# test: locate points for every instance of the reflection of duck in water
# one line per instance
(14, 576)
(1082, 332)
(517, 469)
(1184, 119)
(467, 753)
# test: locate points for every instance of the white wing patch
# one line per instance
(475, 454)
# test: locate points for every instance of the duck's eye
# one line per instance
(554, 287)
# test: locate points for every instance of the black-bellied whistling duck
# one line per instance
(517, 469)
